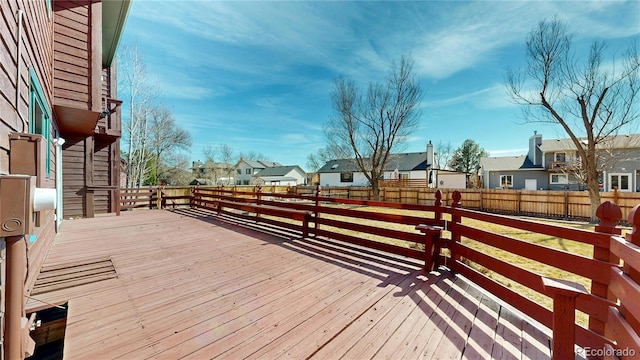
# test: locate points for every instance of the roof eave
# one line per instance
(114, 16)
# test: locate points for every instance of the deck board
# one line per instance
(191, 285)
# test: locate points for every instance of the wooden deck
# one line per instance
(190, 285)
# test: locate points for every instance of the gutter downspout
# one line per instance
(59, 142)
(19, 14)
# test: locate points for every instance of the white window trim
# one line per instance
(630, 182)
(501, 182)
(566, 179)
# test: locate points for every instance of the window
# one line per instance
(346, 177)
(560, 157)
(620, 181)
(559, 179)
(506, 181)
(39, 116)
(245, 182)
(248, 172)
(239, 171)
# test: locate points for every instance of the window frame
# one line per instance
(566, 179)
(38, 101)
(248, 171)
(555, 156)
(502, 183)
(346, 177)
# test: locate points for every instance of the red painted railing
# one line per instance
(613, 289)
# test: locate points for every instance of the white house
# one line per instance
(246, 169)
(344, 172)
(281, 175)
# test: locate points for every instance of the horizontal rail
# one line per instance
(391, 227)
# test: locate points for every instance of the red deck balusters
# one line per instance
(455, 235)
(609, 214)
(634, 273)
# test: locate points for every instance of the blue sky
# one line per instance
(257, 75)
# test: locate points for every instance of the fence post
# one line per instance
(481, 197)
(566, 205)
(609, 214)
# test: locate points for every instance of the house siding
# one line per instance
(519, 177)
(33, 40)
(77, 48)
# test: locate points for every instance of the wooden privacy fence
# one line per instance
(544, 203)
(538, 203)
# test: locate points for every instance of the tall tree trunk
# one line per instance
(375, 187)
(593, 187)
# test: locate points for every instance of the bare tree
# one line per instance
(591, 101)
(176, 169)
(253, 156)
(219, 163)
(164, 136)
(373, 125)
(133, 83)
(442, 155)
(316, 160)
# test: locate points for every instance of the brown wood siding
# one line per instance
(73, 169)
(102, 176)
(33, 39)
(36, 53)
(72, 67)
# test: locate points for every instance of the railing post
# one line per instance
(438, 204)
(258, 198)
(431, 247)
(455, 235)
(564, 316)
(609, 215)
(633, 237)
(305, 225)
(316, 213)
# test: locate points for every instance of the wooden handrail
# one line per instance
(330, 213)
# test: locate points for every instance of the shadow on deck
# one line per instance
(193, 285)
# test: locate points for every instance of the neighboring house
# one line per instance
(281, 175)
(60, 118)
(345, 172)
(245, 169)
(201, 181)
(213, 173)
(555, 165)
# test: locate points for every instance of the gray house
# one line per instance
(556, 165)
